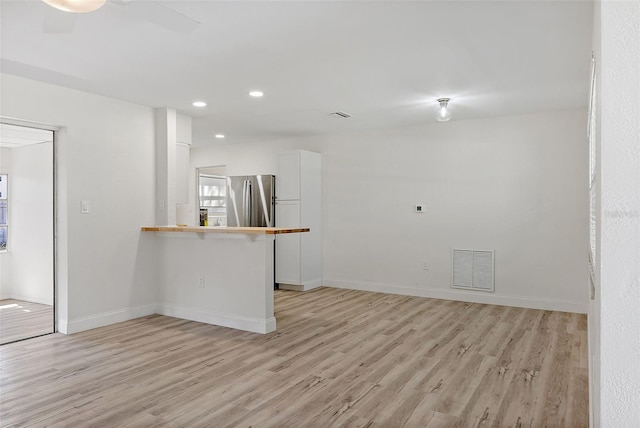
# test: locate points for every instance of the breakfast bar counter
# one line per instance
(217, 275)
(218, 229)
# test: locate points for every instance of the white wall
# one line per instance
(615, 317)
(5, 267)
(105, 154)
(30, 256)
(516, 185)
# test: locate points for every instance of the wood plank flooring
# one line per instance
(340, 358)
(21, 320)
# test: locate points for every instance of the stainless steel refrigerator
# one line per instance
(250, 201)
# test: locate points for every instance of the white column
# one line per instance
(165, 166)
(619, 216)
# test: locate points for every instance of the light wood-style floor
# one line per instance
(339, 358)
(21, 320)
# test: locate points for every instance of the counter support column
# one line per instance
(221, 279)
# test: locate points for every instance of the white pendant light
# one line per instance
(76, 6)
(443, 110)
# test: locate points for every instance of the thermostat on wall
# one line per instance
(419, 208)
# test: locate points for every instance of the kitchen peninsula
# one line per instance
(218, 275)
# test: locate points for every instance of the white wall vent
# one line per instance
(472, 269)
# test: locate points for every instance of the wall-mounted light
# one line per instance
(443, 110)
(76, 6)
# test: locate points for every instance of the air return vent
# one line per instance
(341, 114)
(472, 270)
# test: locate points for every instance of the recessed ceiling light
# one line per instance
(199, 104)
(219, 135)
(76, 6)
(256, 94)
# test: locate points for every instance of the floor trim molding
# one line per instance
(465, 296)
(105, 318)
(255, 325)
(309, 285)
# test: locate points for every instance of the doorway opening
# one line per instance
(27, 242)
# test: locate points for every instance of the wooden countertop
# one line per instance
(218, 229)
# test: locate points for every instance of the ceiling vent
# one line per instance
(341, 114)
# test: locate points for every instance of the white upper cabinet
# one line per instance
(299, 176)
(182, 173)
(288, 178)
(183, 129)
(183, 143)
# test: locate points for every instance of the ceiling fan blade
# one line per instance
(159, 14)
(58, 22)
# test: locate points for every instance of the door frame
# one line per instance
(54, 129)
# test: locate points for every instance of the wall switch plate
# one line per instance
(425, 265)
(85, 207)
(419, 208)
(201, 282)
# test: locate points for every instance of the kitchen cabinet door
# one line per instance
(288, 177)
(299, 198)
(288, 245)
(182, 173)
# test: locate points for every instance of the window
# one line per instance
(4, 211)
(213, 198)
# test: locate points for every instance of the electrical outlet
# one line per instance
(201, 282)
(85, 207)
(425, 265)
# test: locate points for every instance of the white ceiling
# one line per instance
(383, 62)
(12, 136)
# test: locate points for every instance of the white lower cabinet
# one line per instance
(288, 245)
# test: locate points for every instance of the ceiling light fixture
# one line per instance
(76, 6)
(256, 94)
(443, 110)
(199, 104)
(219, 135)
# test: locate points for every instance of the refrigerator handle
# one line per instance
(244, 203)
(247, 203)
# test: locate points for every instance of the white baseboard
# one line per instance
(32, 299)
(105, 318)
(63, 326)
(309, 285)
(464, 296)
(255, 325)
